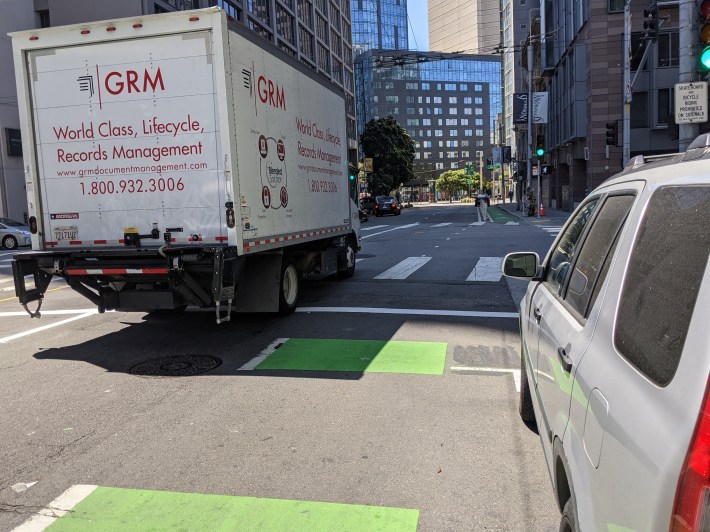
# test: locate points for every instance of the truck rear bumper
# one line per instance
(137, 279)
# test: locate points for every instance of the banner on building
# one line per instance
(520, 108)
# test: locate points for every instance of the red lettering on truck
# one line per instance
(129, 81)
(270, 93)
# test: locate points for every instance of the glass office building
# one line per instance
(448, 103)
(379, 24)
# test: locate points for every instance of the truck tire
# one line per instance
(347, 268)
(288, 288)
(527, 413)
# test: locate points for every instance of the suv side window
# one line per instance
(592, 265)
(558, 267)
(663, 278)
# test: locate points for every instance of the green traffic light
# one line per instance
(705, 58)
(540, 152)
(352, 177)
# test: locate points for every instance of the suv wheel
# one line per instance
(527, 413)
(568, 522)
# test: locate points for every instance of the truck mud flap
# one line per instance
(22, 268)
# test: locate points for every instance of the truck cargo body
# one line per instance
(172, 161)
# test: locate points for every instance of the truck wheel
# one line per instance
(9, 242)
(527, 413)
(288, 291)
(347, 266)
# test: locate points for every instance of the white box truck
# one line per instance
(179, 159)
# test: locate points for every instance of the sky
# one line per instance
(418, 20)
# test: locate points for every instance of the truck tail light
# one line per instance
(33, 225)
(692, 502)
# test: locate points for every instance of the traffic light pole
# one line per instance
(530, 117)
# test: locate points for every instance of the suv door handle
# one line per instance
(537, 314)
(565, 359)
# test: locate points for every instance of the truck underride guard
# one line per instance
(134, 279)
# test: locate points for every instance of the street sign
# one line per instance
(368, 164)
(691, 102)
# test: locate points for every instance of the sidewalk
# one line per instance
(550, 214)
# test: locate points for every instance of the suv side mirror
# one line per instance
(523, 265)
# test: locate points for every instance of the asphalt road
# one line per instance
(450, 445)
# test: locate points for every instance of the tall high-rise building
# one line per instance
(470, 26)
(379, 24)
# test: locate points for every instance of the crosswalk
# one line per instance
(552, 230)
(486, 269)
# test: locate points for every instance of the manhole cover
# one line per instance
(176, 366)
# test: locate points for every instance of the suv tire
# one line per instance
(527, 413)
(568, 521)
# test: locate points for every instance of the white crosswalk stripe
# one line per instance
(552, 230)
(404, 269)
(371, 227)
(441, 225)
(487, 269)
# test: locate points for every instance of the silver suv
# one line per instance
(615, 329)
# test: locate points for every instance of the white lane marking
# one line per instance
(371, 228)
(441, 225)
(358, 260)
(514, 372)
(477, 223)
(388, 230)
(265, 353)
(54, 312)
(56, 509)
(552, 231)
(487, 269)
(410, 312)
(5, 260)
(45, 327)
(404, 269)
(512, 223)
(5, 280)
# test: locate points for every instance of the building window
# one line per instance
(43, 18)
(639, 110)
(453, 133)
(450, 86)
(438, 133)
(478, 88)
(665, 105)
(479, 111)
(468, 132)
(468, 111)
(453, 110)
(616, 6)
(425, 86)
(392, 99)
(467, 100)
(14, 142)
(452, 100)
(437, 99)
(464, 121)
(463, 87)
(479, 101)
(412, 86)
(411, 110)
(667, 49)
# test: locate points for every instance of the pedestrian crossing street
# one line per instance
(486, 269)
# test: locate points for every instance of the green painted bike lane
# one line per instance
(118, 509)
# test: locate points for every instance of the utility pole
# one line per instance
(688, 15)
(530, 111)
(626, 129)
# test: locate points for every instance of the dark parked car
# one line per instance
(368, 204)
(387, 205)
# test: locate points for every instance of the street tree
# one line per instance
(392, 151)
(452, 181)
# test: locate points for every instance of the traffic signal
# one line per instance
(704, 57)
(611, 133)
(540, 146)
(650, 20)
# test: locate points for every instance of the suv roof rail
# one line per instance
(639, 160)
(698, 148)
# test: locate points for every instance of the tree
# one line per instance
(452, 181)
(392, 151)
